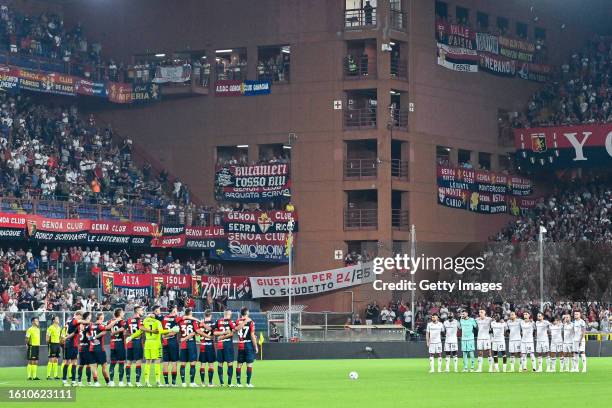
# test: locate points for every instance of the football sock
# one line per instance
(157, 369)
(456, 361)
(64, 372)
(533, 360)
(29, 370)
(80, 373)
(249, 374)
(147, 372)
(111, 370)
(465, 360)
(121, 371)
(202, 375)
(439, 363)
(192, 372)
(539, 363)
(182, 371)
(88, 373)
(431, 363)
(128, 373)
(479, 363)
(173, 376)
(472, 359)
(447, 363)
(211, 374)
(49, 369)
(584, 361)
(490, 360)
(138, 372)
(238, 373)
(73, 371)
(230, 374)
(166, 376)
(220, 373)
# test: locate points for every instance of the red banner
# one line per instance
(228, 88)
(235, 287)
(119, 93)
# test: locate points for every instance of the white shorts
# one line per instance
(435, 348)
(542, 347)
(568, 347)
(556, 347)
(451, 347)
(483, 344)
(499, 346)
(526, 348)
(579, 346)
(514, 346)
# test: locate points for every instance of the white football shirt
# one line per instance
(568, 332)
(451, 330)
(499, 330)
(515, 329)
(484, 327)
(527, 330)
(542, 330)
(556, 333)
(435, 332)
(579, 326)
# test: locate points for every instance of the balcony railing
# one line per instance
(399, 118)
(360, 118)
(357, 219)
(359, 67)
(399, 68)
(359, 18)
(399, 168)
(360, 168)
(399, 20)
(400, 219)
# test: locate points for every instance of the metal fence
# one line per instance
(360, 118)
(360, 168)
(361, 218)
(360, 18)
(359, 67)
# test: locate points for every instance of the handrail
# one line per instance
(364, 218)
(360, 168)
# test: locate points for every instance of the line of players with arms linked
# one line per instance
(171, 338)
(564, 338)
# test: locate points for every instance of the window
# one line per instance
(274, 63)
(484, 161)
(443, 155)
(482, 19)
(464, 157)
(502, 25)
(441, 10)
(463, 15)
(539, 33)
(521, 30)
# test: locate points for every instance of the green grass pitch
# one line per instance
(381, 383)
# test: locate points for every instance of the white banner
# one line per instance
(312, 283)
(172, 74)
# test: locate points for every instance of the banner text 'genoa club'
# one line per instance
(257, 183)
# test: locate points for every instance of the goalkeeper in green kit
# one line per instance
(153, 330)
(467, 325)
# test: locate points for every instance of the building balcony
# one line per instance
(399, 119)
(358, 169)
(400, 219)
(399, 169)
(399, 20)
(361, 219)
(399, 69)
(359, 67)
(355, 19)
(362, 118)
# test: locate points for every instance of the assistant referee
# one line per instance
(53, 343)
(33, 343)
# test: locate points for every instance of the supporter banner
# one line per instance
(144, 93)
(121, 233)
(172, 74)
(564, 146)
(203, 237)
(269, 247)
(312, 283)
(481, 191)
(251, 184)
(108, 282)
(90, 88)
(132, 284)
(462, 49)
(169, 237)
(119, 92)
(158, 285)
(46, 82)
(57, 230)
(258, 222)
(12, 226)
(242, 88)
(9, 79)
(196, 286)
(175, 281)
(235, 287)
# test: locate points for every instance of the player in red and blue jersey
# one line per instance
(71, 347)
(247, 346)
(207, 349)
(97, 332)
(189, 352)
(170, 344)
(134, 347)
(84, 354)
(117, 328)
(224, 330)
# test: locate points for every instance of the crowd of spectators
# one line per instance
(274, 68)
(243, 160)
(577, 210)
(580, 91)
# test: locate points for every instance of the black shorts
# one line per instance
(170, 352)
(226, 354)
(85, 357)
(247, 354)
(70, 352)
(98, 357)
(208, 354)
(33, 352)
(54, 350)
(190, 353)
(135, 353)
(117, 353)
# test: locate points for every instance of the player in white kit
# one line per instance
(568, 344)
(514, 338)
(556, 343)
(579, 342)
(433, 335)
(483, 341)
(542, 342)
(451, 343)
(527, 327)
(499, 328)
